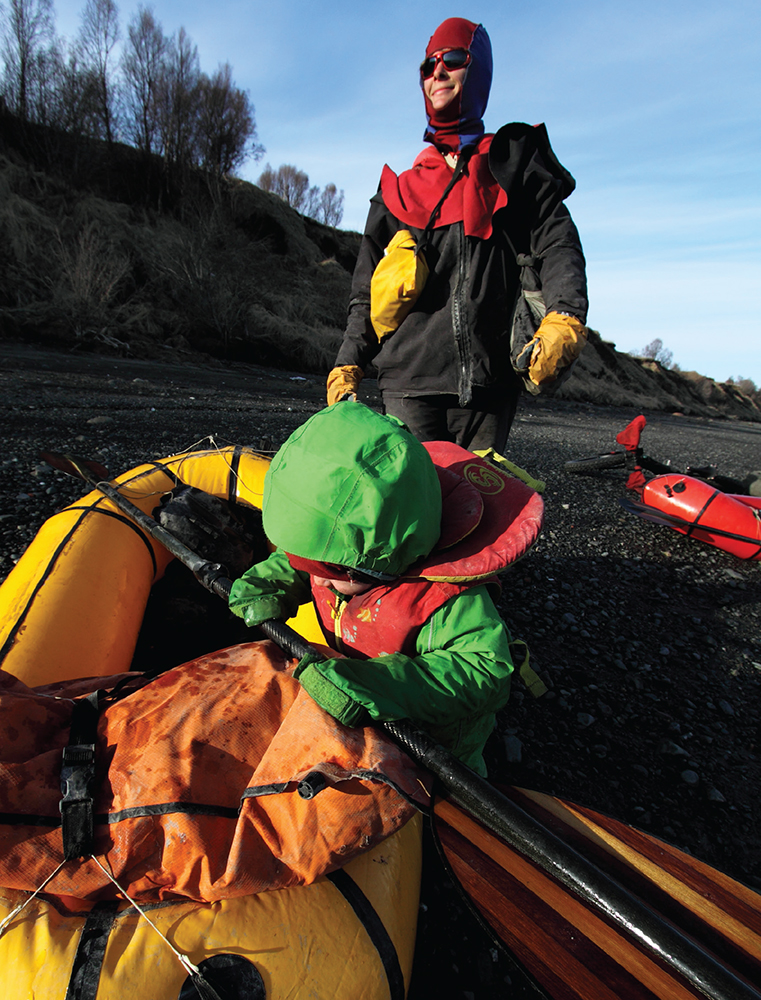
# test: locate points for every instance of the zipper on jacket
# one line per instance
(458, 322)
(337, 612)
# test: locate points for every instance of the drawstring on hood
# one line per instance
(461, 124)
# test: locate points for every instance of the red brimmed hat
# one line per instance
(489, 518)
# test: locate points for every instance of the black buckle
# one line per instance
(77, 822)
(77, 778)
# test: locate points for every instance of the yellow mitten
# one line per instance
(343, 383)
(556, 344)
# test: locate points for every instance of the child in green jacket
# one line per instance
(353, 502)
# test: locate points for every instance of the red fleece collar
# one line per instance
(474, 199)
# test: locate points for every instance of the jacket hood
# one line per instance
(354, 488)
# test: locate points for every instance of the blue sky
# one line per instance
(654, 107)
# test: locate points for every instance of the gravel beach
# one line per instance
(648, 642)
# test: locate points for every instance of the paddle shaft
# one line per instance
(486, 804)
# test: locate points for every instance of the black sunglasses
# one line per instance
(453, 59)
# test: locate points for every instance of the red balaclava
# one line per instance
(461, 122)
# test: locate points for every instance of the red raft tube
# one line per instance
(696, 509)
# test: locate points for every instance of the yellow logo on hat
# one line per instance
(484, 479)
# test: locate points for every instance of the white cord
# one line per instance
(15, 912)
(183, 959)
(189, 967)
(192, 451)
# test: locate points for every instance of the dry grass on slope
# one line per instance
(605, 377)
(230, 271)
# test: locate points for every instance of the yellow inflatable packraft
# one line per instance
(72, 607)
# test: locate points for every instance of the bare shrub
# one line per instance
(23, 225)
(272, 339)
(203, 269)
(92, 269)
(25, 266)
(655, 351)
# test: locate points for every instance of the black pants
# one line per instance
(484, 424)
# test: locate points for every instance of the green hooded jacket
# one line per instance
(357, 489)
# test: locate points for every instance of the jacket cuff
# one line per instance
(258, 610)
(335, 701)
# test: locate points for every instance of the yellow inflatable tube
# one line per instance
(73, 604)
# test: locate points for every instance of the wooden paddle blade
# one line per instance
(80, 468)
(572, 950)
(721, 913)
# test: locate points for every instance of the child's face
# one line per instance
(346, 588)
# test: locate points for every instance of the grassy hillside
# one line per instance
(606, 377)
(100, 248)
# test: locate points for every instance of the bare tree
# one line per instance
(143, 65)
(226, 125)
(655, 351)
(28, 33)
(97, 38)
(267, 179)
(44, 85)
(67, 93)
(331, 206)
(292, 185)
(179, 100)
(288, 183)
(311, 205)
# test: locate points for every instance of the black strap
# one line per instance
(232, 476)
(77, 775)
(88, 961)
(95, 509)
(459, 167)
(375, 928)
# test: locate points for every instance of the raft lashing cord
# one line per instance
(12, 914)
(488, 806)
(203, 987)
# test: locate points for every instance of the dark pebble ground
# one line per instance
(649, 642)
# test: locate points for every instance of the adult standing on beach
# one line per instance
(501, 252)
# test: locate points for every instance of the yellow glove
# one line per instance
(556, 344)
(343, 383)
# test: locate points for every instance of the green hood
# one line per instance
(354, 488)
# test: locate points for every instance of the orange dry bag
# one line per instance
(219, 778)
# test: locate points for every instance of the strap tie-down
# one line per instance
(77, 776)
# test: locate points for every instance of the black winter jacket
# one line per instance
(458, 334)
